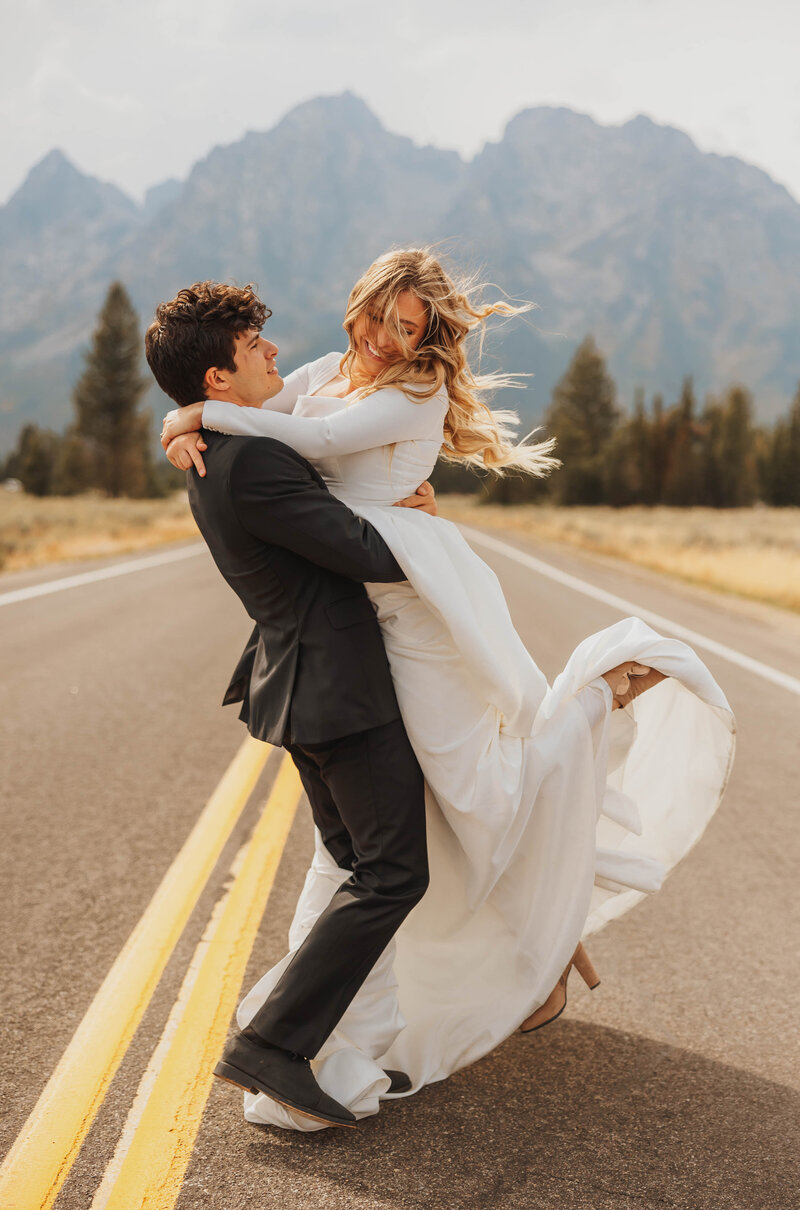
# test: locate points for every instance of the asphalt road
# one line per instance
(675, 1084)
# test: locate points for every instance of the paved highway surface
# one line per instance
(675, 1084)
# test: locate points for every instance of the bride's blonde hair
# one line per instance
(473, 432)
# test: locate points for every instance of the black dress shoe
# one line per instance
(399, 1082)
(250, 1063)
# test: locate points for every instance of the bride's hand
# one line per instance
(182, 420)
(424, 498)
(184, 452)
(627, 681)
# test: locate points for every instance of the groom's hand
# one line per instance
(184, 452)
(424, 498)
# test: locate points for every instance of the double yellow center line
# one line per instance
(171, 1098)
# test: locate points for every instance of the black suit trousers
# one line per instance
(368, 801)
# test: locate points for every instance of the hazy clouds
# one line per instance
(135, 94)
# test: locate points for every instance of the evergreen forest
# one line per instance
(683, 452)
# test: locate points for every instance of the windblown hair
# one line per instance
(198, 330)
(473, 432)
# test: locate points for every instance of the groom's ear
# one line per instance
(215, 381)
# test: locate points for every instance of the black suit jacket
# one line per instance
(315, 667)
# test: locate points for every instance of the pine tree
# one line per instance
(683, 481)
(33, 460)
(793, 451)
(737, 454)
(106, 400)
(659, 451)
(641, 451)
(781, 469)
(75, 465)
(627, 477)
(713, 421)
(583, 416)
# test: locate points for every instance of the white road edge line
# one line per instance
(656, 620)
(102, 573)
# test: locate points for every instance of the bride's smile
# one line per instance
(380, 340)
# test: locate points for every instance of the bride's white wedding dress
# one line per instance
(548, 815)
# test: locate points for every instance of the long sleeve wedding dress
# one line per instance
(548, 815)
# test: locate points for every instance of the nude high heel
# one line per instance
(556, 1002)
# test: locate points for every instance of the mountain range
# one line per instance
(677, 261)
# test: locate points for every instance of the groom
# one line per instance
(314, 678)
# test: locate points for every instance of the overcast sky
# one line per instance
(137, 92)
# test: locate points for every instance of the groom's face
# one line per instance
(256, 376)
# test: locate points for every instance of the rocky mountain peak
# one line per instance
(55, 189)
(51, 170)
(649, 138)
(544, 123)
(344, 111)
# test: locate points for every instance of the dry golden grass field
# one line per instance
(753, 553)
(35, 531)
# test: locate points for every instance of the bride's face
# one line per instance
(377, 345)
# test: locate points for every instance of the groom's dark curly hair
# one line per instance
(197, 329)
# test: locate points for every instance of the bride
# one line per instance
(550, 810)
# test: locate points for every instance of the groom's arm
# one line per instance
(280, 499)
